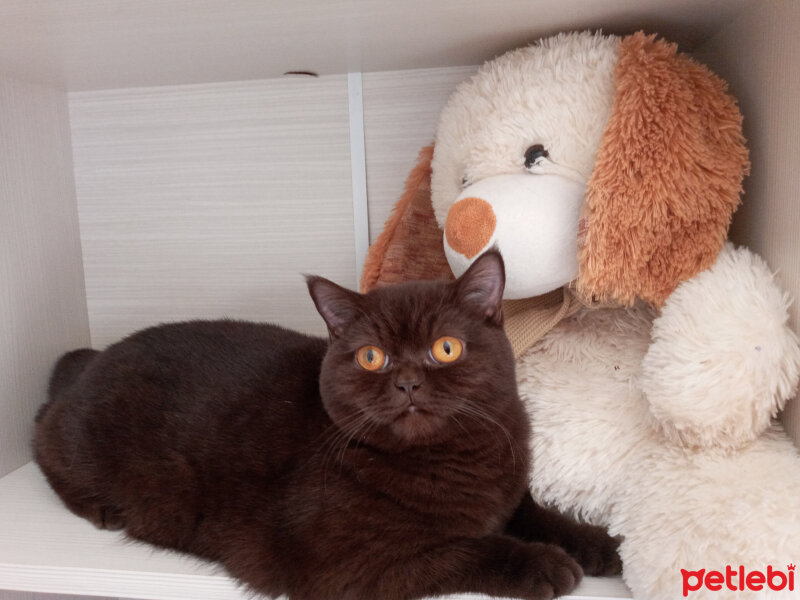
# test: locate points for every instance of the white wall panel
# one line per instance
(758, 54)
(209, 201)
(401, 109)
(42, 302)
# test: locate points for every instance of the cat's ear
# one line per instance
(481, 286)
(337, 305)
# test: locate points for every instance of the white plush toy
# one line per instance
(653, 355)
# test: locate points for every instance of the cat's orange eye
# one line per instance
(446, 349)
(371, 358)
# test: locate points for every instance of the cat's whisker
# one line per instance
(327, 438)
(329, 442)
(367, 420)
(343, 433)
(469, 409)
(340, 451)
(460, 424)
(331, 447)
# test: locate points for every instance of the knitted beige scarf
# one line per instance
(530, 319)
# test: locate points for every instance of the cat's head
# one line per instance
(417, 363)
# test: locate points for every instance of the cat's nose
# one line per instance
(408, 383)
(408, 386)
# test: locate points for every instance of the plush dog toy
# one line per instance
(653, 356)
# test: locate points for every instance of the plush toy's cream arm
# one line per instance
(723, 360)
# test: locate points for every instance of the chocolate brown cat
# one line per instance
(389, 461)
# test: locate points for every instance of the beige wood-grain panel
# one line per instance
(759, 55)
(401, 109)
(209, 201)
(42, 301)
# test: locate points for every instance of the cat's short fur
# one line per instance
(302, 472)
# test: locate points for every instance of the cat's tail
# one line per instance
(66, 371)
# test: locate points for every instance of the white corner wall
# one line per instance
(758, 54)
(42, 299)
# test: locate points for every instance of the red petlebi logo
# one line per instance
(739, 579)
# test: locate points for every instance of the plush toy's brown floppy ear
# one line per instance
(410, 245)
(667, 177)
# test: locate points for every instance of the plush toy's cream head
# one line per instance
(514, 150)
(613, 163)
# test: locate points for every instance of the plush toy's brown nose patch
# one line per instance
(469, 226)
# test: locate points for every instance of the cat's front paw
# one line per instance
(596, 551)
(552, 572)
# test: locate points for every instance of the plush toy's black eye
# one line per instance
(533, 154)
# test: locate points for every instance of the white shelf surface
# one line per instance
(45, 548)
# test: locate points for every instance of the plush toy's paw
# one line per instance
(596, 551)
(723, 359)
